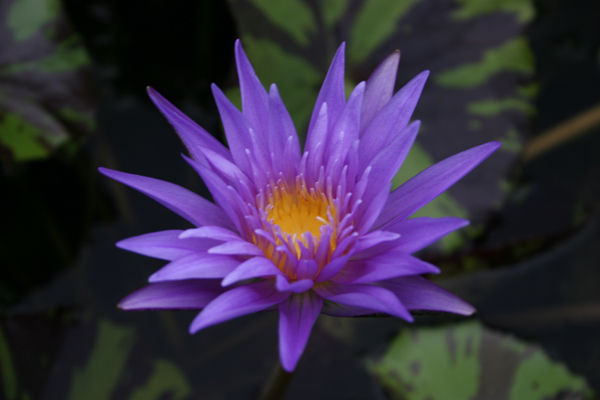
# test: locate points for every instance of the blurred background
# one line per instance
(73, 75)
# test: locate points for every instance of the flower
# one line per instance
(301, 232)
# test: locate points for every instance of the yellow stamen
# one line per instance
(300, 212)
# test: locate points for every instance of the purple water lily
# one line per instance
(303, 232)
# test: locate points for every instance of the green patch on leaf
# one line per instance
(78, 117)
(26, 17)
(493, 107)
(105, 365)
(469, 361)
(432, 363)
(292, 16)
(22, 138)
(297, 80)
(375, 22)
(530, 90)
(444, 205)
(523, 9)
(511, 142)
(7, 369)
(539, 377)
(514, 55)
(166, 381)
(332, 10)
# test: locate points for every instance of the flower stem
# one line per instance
(276, 385)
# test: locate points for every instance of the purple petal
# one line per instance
(428, 184)
(332, 268)
(307, 269)
(384, 266)
(299, 286)
(345, 130)
(254, 97)
(391, 120)
(242, 300)
(165, 245)
(256, 267)
(297, 315)
(388, 161)
(332, 92)
(374, 238)
(183, 202)
(364, 296)
(237, 129)
(211, 232)
(380, 87)
(219, 191)
(417, 293)
(282, 131)
(415, 234)
(418, 233)
(315, 147)
(191, 133)
(196, 266)
(237, 248)
(189, 294)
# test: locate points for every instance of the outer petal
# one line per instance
(237, 130)
(297, 315)
(165, 245)
(417, 293)
(282, 138)
(237, 248)
(189, 294)
(211, 232)
(300, 286)
(254, 96)
(242, 300)
(380, 87)
(187, 204)
(332, 93)
(197, 265)
(364, 296)
(387, 162)
(194, 136)
(374, 238)
(391, 120)
(384, 266)
(256, 267)
(415, 234)
(428, 184)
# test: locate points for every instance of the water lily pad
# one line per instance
(469, 361)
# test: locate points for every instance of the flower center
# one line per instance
(300, 213)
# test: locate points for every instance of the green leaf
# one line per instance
(332, 10)
(514, 55)
(375, 22)
(22, 138)
(166, 379)
(42, 49)
(26, 17)
(105, 365)
(523, 9)
(493, 107)
(468, 361)
(292, 16)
